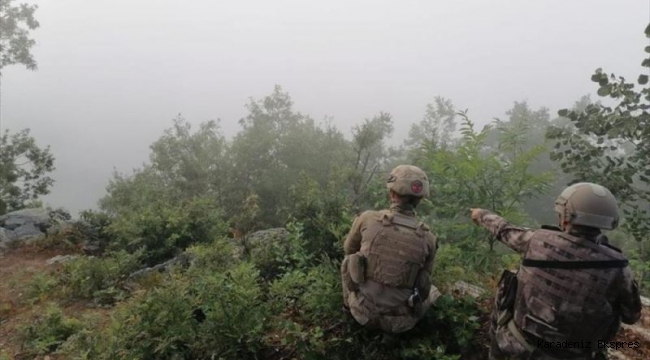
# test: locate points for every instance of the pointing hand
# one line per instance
(476, 214)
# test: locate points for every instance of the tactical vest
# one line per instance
(563, 288)
(395, 249)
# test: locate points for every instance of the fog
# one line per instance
(112, 74)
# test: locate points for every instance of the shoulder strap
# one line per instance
(571, 265)
(406, 221)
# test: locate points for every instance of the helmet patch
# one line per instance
(416, 187)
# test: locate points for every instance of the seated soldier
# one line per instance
(573, 288)
(389, 259)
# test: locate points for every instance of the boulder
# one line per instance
(27, 232)
(184, 260)
(39, 218)
(264, 242)
(6, 237)
(33, 224)
(60, 259)
(464, 289)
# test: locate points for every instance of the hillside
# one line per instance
(29, 328)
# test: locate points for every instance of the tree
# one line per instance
(15, 44)
(610, 145)
(368, 154)
(434, 131)
(23, 169)
(472, 174)
(192, 163)
(276, 144)
(527, 127)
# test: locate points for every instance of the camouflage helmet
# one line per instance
(408, 180)
(588, 204)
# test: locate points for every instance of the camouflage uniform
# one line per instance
(389, 259)
(611, 293)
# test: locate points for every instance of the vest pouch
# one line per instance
(507, 292)
(507, 288)
(541, 329)
(357, 268)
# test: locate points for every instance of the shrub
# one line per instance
(206, 315)
(164, 230)
(40, 285)
(98, 278)
(45, 334)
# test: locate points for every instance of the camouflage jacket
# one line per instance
(623, 296)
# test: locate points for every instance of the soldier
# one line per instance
(572, 289)
(387, 269)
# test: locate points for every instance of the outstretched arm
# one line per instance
(516, 238)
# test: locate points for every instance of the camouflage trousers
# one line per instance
(505, 346)
(395, 320)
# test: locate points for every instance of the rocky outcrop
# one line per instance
(262, 243)
(184, 260)
(60, 259)
(32, 224)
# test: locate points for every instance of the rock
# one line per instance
(463, 288)
(60, 259)
(6, 237)
(261, 243)
(60, 226)
(184, 260)
(33, 224)
(28, 232)
(37, 217)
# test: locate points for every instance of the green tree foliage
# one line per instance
(528, 128)
(23, 170)
(472, 174)
(274, 146)
(610, 144)
(174, 201)
(16, 21)
(194, 164)
(435, 131)
(369, 154)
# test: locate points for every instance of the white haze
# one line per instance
(112, 74)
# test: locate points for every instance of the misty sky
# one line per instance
(113, 73)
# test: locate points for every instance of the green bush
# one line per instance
(164, 230)
(40, 285)
(45, 334)
(205, 315)
(98, 278)
(274, 254)
(216, 256)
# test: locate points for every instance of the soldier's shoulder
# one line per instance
(369, 215)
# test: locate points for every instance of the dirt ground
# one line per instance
(18, 267)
